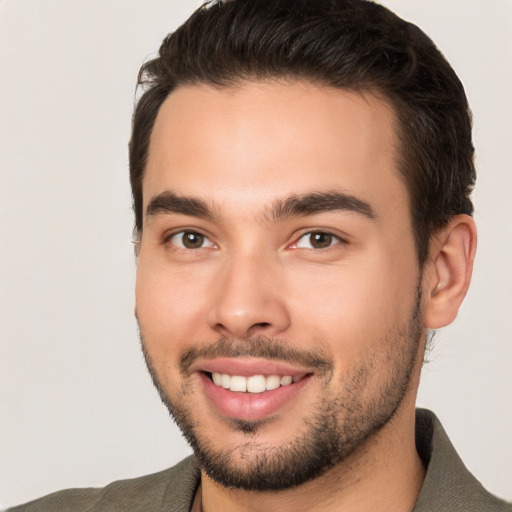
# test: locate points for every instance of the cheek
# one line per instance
(350, 307)
(170, 305)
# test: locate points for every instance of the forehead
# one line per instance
(248, 144)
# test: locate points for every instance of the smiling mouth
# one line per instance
(253, 383)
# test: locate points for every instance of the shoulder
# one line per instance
(172, 490)
(448, 484)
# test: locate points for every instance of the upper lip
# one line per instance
(247, 366)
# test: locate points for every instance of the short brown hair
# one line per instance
(350, 44)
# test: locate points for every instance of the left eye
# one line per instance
(317, 240)
(190, 240)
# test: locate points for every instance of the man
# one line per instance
(301, 174)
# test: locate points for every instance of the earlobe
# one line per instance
(449, 274)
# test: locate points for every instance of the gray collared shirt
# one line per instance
(448, 485)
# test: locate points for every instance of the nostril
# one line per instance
(259, 328)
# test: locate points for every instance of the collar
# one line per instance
(448, 485)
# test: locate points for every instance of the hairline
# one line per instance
(289, 78)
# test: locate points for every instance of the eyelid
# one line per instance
(343, 240)
(340, 238)
(177, 231)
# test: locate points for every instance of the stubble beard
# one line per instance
(336, 427)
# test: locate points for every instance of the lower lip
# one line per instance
(250, 406)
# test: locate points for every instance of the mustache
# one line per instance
(265, 347)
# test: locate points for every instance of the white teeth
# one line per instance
(272, 382)
(238, 383)
(286, 380)
(225, 381)
(253, 384)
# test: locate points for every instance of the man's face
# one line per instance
(277, 255)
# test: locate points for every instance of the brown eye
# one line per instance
(190, 240)
(317, 240)
(320, 240)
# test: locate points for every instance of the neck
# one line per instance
(385, 473)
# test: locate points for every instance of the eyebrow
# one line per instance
(318, 202)
(168, 202)
(281, 209)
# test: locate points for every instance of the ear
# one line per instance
(450, 266)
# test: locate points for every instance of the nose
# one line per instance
(248, 300)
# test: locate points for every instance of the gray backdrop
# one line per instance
(77, 408)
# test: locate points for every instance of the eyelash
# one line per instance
(335, 240)
(168, 238)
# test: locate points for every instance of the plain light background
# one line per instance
(77, 407)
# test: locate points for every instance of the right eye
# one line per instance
(190, 240)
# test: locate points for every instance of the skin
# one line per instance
(239, 150)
